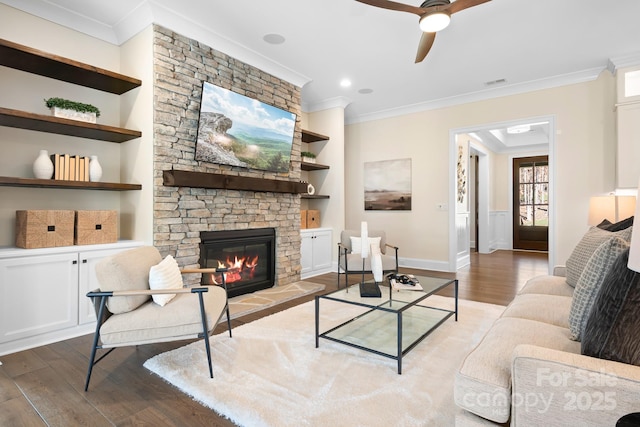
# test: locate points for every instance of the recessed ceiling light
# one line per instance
(518, 129)
(274, 39)
(365, 91)
(345, 83)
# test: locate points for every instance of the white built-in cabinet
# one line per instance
(315, 251)
(628, 127)
(43, 293)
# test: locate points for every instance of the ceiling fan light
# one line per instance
(434, 22)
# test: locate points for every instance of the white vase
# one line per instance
(43, 166)
(95, 170)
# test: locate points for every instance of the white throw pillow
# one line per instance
(165, 275)
(356, 244)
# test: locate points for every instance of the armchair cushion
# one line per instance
(151, 323)
(127, 270)
(165, 275)
(345, 239)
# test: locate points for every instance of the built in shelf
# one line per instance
(308, 136)
(178, 178)
(8, 181)
(315, 196)
(312, 166)
(62, 126)
(35, 61)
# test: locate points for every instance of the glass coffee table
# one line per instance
(390, 325)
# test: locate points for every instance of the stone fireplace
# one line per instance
(248, 256)
(183, 214)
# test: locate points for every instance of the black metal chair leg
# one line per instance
(205, 333)
(96, 337)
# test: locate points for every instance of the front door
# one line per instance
(531, 203)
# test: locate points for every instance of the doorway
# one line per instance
(531, 203)
(497, 145)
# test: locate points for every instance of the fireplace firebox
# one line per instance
(249, 256)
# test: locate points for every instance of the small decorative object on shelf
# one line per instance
(72, 110)
(308, 157)
(95, 170)
(311, 190)
(43, 166)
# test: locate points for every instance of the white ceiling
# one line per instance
(531, 44)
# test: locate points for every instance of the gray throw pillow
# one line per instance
(612, 331)
(587, 246)
(590, 281)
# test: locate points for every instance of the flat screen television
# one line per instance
(236, 130)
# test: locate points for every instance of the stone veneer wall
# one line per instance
(180, 214)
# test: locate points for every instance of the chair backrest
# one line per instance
(345, 238)
(127, 270)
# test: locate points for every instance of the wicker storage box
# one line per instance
(303, 219)
(44, 228)
(95, 227)
(313, 218)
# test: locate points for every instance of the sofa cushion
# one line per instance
(612, 330)
(620, 225)
(153, 323)
(165, 275)
(127, 270)
(587, 246)
(483, 382)
(547, 285)
(553, 309)
(590, 281)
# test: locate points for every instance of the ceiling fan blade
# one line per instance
(392, 5)
(426, 41)
(459, 5)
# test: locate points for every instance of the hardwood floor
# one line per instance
(44, 386)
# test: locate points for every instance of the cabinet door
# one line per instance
(306, 253)
(89, 282)
(321, 250)
(38, 294)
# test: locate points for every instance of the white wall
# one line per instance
(585, 144)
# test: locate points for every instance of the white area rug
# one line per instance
(271, 374)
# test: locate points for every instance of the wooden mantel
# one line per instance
(178, 178)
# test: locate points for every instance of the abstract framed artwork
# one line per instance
(387, 185)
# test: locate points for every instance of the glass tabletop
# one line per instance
(430, 285)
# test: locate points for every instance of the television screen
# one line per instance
(240, 131)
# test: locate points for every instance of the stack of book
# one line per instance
(70, 168)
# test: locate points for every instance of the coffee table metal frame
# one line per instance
(358, 331)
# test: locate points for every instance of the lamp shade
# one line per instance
(611, 207)
(634, 249)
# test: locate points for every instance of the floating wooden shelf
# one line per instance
(315, 196)
(61, 126)
(35, 61)
(308, 136)
(177, 178)
(8, 181)
(312, 166)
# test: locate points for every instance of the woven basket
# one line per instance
(96, 227)
(44, 228)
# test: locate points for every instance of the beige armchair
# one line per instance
(350, 259)
(127, 315)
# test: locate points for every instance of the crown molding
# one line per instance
(337, 102)
(614, 64)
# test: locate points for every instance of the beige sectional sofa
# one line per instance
(527, 371)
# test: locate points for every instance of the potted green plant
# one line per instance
(72, 110)
(308, 157)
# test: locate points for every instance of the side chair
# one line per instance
(350, 258)
(126, 314)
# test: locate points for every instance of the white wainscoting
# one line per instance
(500, 230)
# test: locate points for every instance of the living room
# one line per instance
(585, 135)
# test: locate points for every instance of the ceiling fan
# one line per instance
(434, 16)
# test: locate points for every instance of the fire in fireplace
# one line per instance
(249, 256)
